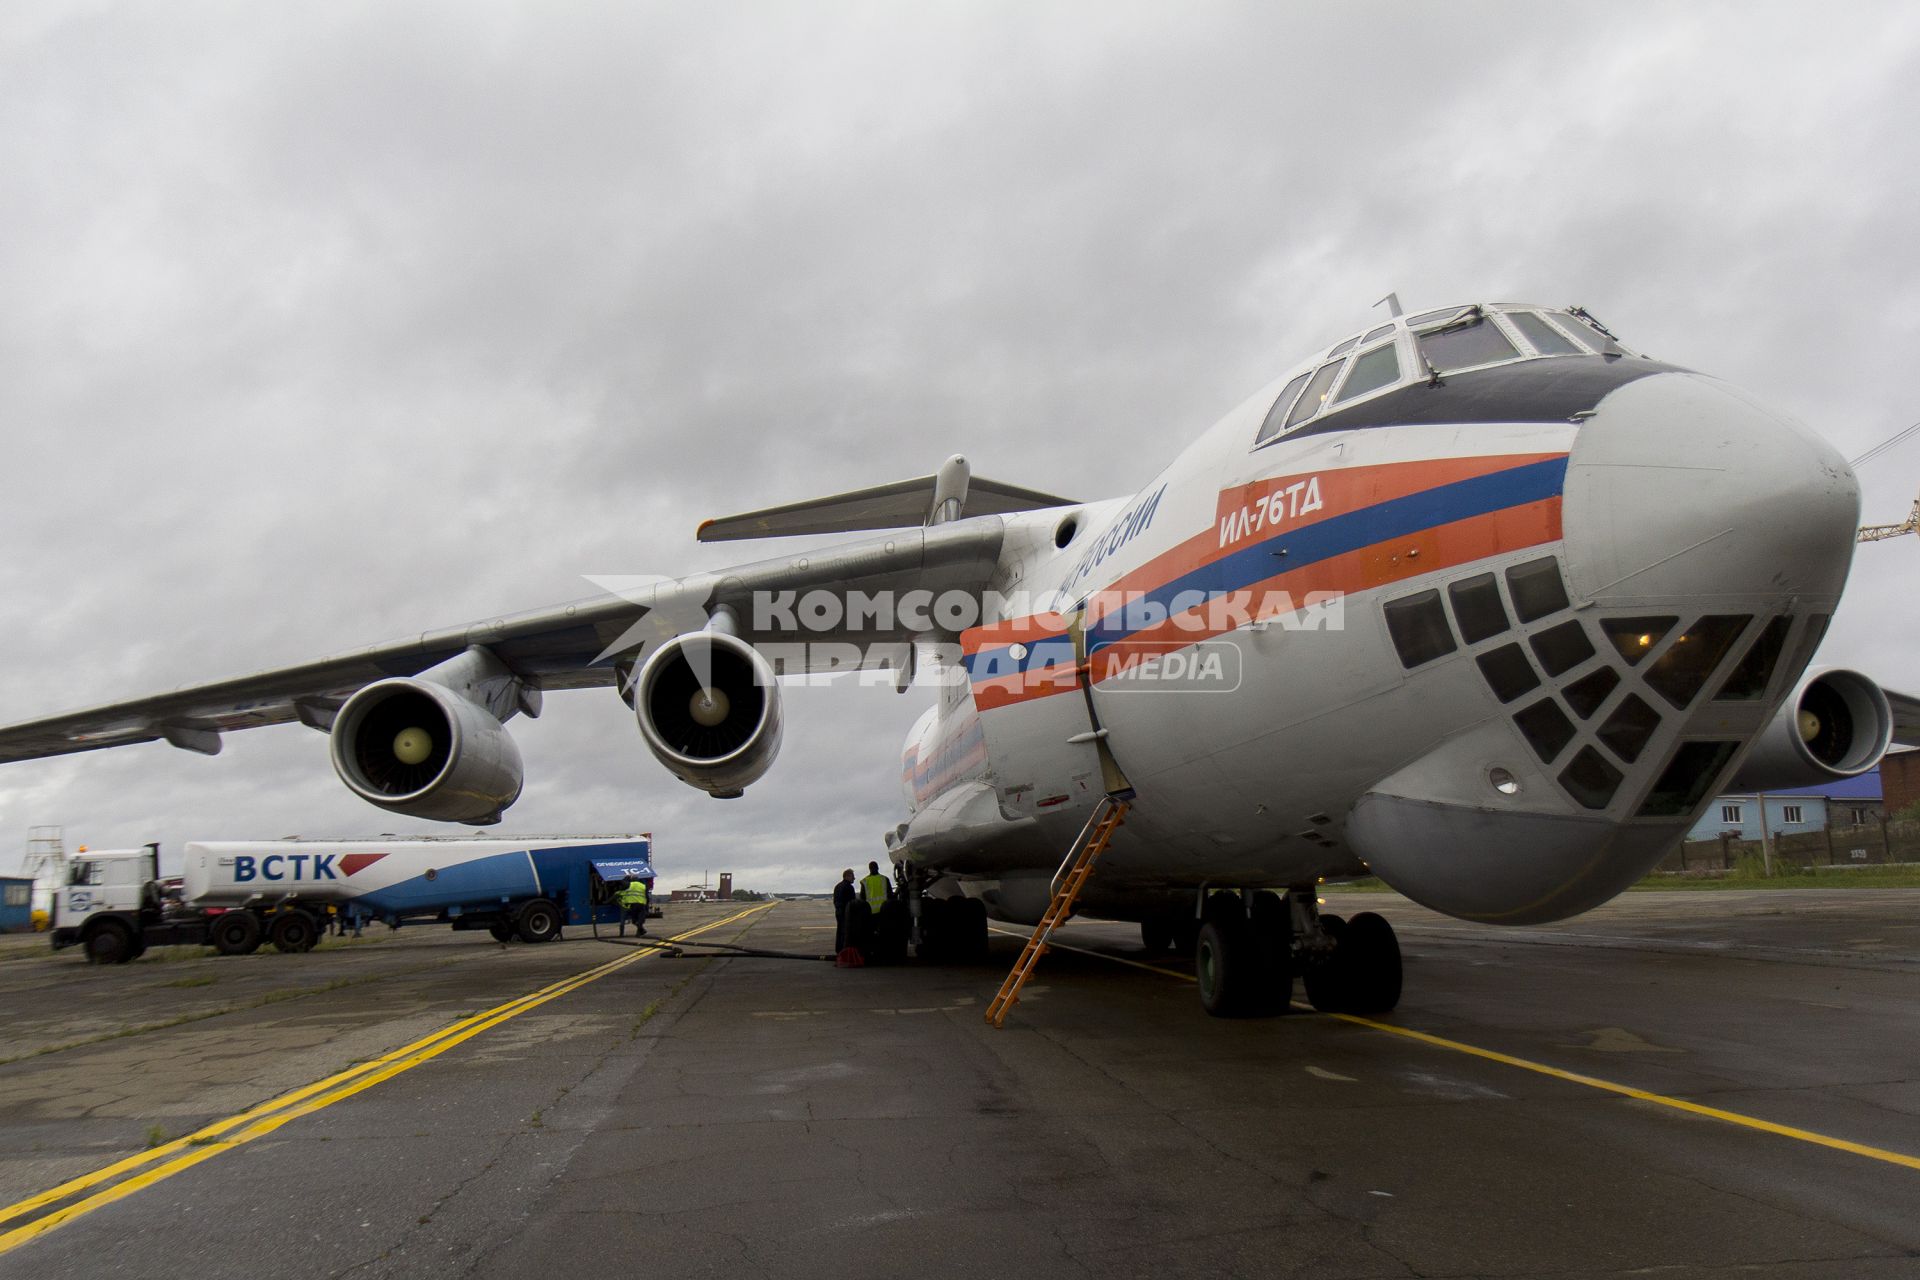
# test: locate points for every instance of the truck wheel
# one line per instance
(294, 931)
(111, 942)
(502, 931)
(538, 921)
(236, 933)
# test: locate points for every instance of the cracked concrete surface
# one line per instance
(791, 1120)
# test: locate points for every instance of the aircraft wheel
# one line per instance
(1272, 924)
(936, 931)
(1373, 965)
(538, 921)
(1227, 965)
(293, 931)
(236, 933)
(1156, 934)
(970, 937)
(111, 942)
(1186, 934)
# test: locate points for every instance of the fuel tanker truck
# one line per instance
(234, 896)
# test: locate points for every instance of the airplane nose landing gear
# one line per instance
(1353, 966)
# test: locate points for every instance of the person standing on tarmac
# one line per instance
(875, 888)
(843, 894)
(633, 899)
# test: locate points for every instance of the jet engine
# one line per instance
(710, 711)
(1836, 724)
(424, 747)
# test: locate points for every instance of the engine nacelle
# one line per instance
(416, 747)
(1836, 724)
(710, 711)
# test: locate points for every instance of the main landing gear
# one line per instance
(1252, 945)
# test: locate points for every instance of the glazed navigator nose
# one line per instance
(1680, 487)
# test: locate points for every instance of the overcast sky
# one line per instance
(324, 324)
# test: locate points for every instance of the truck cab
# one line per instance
(110, 899)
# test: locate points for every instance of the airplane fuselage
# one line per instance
(1494, 635)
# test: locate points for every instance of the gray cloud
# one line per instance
(325, 326)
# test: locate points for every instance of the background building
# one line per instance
(1850, 802)
(1900, 775)
(16, 904)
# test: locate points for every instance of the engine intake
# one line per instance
(709, 710)
(415, 746)
(1838, 723)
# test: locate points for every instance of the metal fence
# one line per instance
(1874, 843)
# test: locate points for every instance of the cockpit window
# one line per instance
(1381, 332)
(1372, 370)
(1586, 333)
(1277, 416)
(1471, 342)
(1342, 348)
(1315, 396)
(1546, 339)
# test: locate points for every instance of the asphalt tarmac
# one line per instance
(1679, 1084)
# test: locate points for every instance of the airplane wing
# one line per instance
(583, 644)
(886, 506)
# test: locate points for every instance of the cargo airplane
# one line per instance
(1477, 601)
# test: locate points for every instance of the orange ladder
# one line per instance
(1107, 818)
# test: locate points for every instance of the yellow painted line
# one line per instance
(1572, 1077)
(268, 1116)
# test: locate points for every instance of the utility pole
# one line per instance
(1766, 837)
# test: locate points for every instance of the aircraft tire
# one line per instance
(938, 931)
(235, 933)
(1186, 933)
(1227, 965)
(538, 921)
(293, 932)
(1326, 975)
(111, 942)
(1373, 964)
(1272, 924)
(1156, 935)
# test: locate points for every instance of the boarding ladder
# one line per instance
(1087, 847)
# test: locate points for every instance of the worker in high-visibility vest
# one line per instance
(875, 888)
(633, 899)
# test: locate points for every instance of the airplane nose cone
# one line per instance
(1682, 486)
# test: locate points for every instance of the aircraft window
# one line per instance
(1445, 313)
(1629, 727)
(1536, 589)
(1547, 728)
(1418, 626)
(1277, 416)
(1342, 348)
(1477, 608)
(1508, 672)
(1371, 370)
(1315, 396)
(1461, 346)
(1691, 658)
(1634, 637)
(1589, 779)
(1749, 679)
(1381, 332)
(1562, 648)
(1546, 339)
(1687, 778)
(1587, 693)
(1586, 333)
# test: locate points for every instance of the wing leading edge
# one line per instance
(583, 644)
